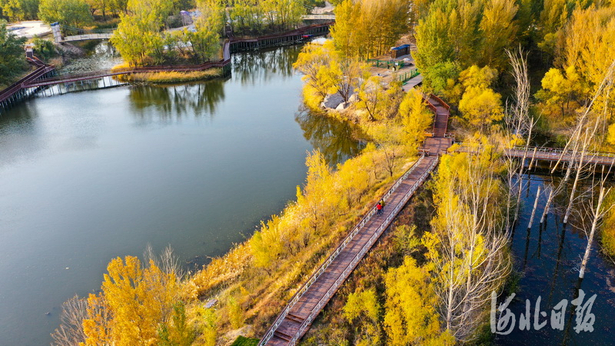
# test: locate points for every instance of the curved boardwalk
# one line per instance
(297, 317)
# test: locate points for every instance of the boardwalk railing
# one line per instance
(340, 280)
(326, 264)
(553, 154)
(561, 151)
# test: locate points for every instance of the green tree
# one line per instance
(177, 332)
(205, 42)
(71, 14)
(246, 16)
(139, 37)
(499, 32)
(13, 10)
(99, 5)
(44, 49)
(12, 59)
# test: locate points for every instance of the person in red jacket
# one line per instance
(379, 208)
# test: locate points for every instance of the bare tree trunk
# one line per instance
(597, 215)
(534, 209)
(546, 211)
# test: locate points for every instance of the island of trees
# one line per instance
(512, 71)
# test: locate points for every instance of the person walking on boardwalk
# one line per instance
(379, 208)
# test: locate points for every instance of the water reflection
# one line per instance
(174, 102)
(335, 139)
(258, 67)
(548, 257)
(19, 133)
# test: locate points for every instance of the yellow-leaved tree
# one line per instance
(410, 316)
(416, 120)
(480, 105)
(363, 310)
(134, 304)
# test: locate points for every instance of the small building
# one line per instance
(399, 51)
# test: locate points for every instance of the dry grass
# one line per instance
(171, 77)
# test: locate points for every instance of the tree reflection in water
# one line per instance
(338, 141)
(177, 101)
(251, 68)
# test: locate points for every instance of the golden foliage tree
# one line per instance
(363, 311)
(480, 105)
(368, 28)
(133, 304)
(416, 119)
(411, 317)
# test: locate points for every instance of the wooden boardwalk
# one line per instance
(297, 317)
(551, 154)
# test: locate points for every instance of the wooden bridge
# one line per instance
(86, 37)
(554, 154)
(16, 92)
(297, 317)
(533, 154)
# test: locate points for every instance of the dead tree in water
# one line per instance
(596, 212)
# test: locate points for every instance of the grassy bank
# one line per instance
(171, 77)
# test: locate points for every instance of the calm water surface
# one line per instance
(88, 176)
(548, 259)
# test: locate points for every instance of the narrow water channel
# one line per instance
(88, 176)
(548, 260)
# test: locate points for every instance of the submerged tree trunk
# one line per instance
(529, 226)
(597, 215)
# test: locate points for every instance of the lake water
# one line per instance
(89, 176)
(548, 260)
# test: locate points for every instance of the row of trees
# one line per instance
(142, 40)
(72, 14)
(368, 28)
(258, 16)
